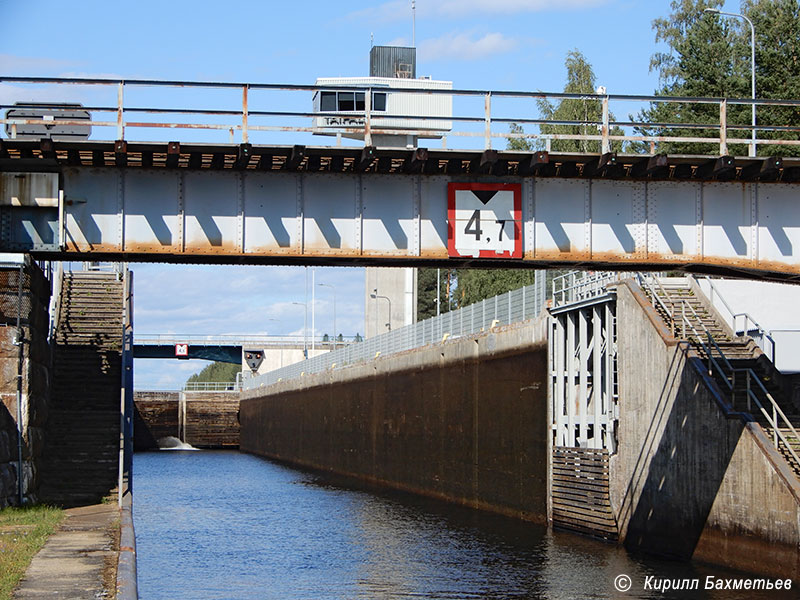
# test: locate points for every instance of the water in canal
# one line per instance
(224, 525)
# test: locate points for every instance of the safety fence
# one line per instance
(242, 111)
(511, 307)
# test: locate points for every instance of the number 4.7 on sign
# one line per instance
(485, 220)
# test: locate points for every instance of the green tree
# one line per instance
(519, 144)
(584, 113)
(426, 291)
(216, 372)
(777, 26)
(708, 55)
(475, 285)
(699, 61)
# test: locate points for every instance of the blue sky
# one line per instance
(477, 44)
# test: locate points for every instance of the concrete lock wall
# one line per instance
(35, 380)
(689, 481)
(465, 421)
(155, 417)
(209, 419)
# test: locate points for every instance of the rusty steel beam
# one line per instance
(351, 217)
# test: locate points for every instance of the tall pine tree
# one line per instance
(708, 56)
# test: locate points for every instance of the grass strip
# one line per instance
(23, 531)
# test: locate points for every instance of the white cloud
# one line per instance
(466, 46)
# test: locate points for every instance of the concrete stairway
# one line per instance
(679, 300)
(82, 440)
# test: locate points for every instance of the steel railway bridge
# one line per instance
(245, 202)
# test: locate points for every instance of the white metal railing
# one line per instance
(234, 339)
(727, 374)
(213, 386)
(580, 286)
(253, 108)
(511, 307)
(742, 323)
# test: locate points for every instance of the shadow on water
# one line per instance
(228, 525)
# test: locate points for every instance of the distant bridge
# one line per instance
(222, 348)
(266, 204)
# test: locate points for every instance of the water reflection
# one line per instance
(212, 525)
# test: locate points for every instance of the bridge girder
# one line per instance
(227, 354)
(621, 219)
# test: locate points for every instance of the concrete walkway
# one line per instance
(79, 560)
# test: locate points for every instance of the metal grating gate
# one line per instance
(579, 496)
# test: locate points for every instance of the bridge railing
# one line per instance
(579, 286)
(254, 341)
(213, 386)
(240, 110)
(511, 307)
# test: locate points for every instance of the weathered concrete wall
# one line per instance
(209, 419)
(35, 380)
(464, 421)
(155, 417)
(689, 480)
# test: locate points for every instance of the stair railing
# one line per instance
(749, 324)
(55, 300)
(727, 372)
(777, 416)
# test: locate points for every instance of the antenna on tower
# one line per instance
(413, 23)
(371, 39)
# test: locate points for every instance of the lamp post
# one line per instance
(305, 327)
(375, 295)
(717, 11)
(334, 309)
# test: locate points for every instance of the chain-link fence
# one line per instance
(511, 307)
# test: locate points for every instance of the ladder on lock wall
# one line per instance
(584, 392)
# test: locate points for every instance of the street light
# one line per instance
(717, 11)
(375, 295)
(305, 327)
(334, 309)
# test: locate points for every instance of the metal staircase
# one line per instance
(742, 371)
(81, 459)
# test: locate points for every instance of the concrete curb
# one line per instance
(126, 566)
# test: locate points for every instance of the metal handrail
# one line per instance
(577, 286)
(763, 333)
(776, 411)
(154, 339)
(730, 380)
(510, 307)
(244, 115)
(212, 386)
